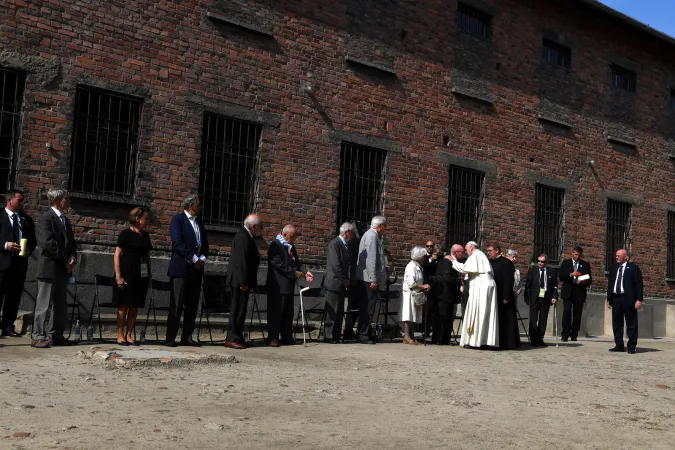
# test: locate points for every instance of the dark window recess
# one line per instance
(623, 79)
(618, 229)
(465, 205)
(361, 185)
(556, 54)
(473, 21)
(670, 260)
(105, 143)
(227, 169)
(672, 99)
(548, 222)
(11, 95)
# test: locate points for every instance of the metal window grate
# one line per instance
(618, 229)
(670, 260)
(557, 54)
(548, 222)
(465, 205)
(623, 78)
(473, 21)
(105, 143)
(361, 185)
(227, 169)
(11, 97)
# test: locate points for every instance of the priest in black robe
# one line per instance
(504, 271)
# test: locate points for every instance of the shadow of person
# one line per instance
(646, 350)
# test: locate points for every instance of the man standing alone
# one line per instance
(336, 282)
(624, 298)
(573, 292)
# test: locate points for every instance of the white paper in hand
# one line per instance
(584, 277)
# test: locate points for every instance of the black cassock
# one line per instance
(504, 271)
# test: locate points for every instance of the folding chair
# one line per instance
(74, 304)
(385, 296)
(255, 309)
(315, 293)
(216, 299)
(522, 323)
(156, 286)
(457, 333)
(101, 281)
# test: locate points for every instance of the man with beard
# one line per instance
(504, 271)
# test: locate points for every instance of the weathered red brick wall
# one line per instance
(182, 63)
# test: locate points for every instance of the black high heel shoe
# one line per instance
(122, 343)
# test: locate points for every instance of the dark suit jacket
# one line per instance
(281, 268)
(184, 245)
(242, 269)
(532, 285)
(504, 274)
(6, 235)
(57, 246)
(633, 287)
(568, 285)
(429, 269)
(337, 266)
(446, 283)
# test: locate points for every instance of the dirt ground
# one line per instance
(388, 395)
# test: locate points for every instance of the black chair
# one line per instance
(102, 281)
(522, 319)
(156, 286)
(456, 334)
(258, 292)
(385, 296)
(216, 300)
(315, 293)
(76, 306)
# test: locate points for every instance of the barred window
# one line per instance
(671, 246)
(105, 142)
(361, 185)
(548, 222)
(11, 98)
(473, 21)
(623, 78)
(227, 169)
(465, 205)
(618, 229)
(556, 54)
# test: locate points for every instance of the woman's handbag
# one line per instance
(418, 298)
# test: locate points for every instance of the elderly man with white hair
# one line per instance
(336, 282)
(480, 326)
(371, 275)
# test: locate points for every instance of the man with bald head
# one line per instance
(445, 294)
(624, 298)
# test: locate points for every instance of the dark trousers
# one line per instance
(571, 319)
(238, 308)
(367, 303)
(444, 316)
(184, 294)
(335, 311)
(538, 319)
(624, 309)
(11, 287)
(280, 314)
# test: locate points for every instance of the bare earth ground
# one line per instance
(336, 396)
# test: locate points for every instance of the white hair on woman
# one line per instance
(418, 252)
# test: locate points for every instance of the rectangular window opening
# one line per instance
(105, 143)
(228, 165)
(556, 54)
(474, 21)
(11, 99)
(624, 79)
(548, 222)
(465, 205)
(618, 230)
(670, 260)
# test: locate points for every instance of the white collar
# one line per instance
(248, 231)
(57, 211)
(10, 213)
(190, 217)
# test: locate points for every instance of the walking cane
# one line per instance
(555, 322)
(302, 311)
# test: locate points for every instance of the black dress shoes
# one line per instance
(618, 349)
(10, 332)
(566, 339)
(190, 343)
(330, 341)
(170, 344)
(631, 351)
(543, 344)
(574, 339)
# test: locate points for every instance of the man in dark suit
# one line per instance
(624, 298)
(504, 274)
(189, 250)
(283, 268)
(541, 291)
(15, 225)
(573, 292)
(445, 294)
(336, 282)
(56, 259)
(242, 277)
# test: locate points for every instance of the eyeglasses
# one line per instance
(429, 246)
(541, 262)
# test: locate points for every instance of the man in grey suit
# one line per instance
(371, 274)
(336, 282)
(56, 259)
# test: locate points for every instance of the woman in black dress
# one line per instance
(132, 272)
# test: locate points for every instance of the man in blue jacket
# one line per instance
(189, 250)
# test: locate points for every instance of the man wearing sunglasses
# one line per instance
(541, 291)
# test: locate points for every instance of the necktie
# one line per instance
(619, 281)
(196, 228)
(15, 229)
(576, 266)
(541, 278)
(64, 221)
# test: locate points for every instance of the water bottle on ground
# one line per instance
(90, 332)
(143, 335)
(78, 331)
(379, 332)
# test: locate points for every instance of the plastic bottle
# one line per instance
(78, 331)
(90, 332)
(143, 335)
(379, 332)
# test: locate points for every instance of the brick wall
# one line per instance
(183, 63)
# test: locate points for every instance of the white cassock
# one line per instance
(480, 325)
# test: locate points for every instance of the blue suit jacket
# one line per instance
(184, 245)
(632, 282)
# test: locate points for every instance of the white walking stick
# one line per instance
(302, 311)
(555, 322)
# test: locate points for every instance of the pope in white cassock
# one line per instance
(480, 325)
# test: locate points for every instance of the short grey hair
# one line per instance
(252, 220)
(288, 228)
(190, 200)
(418, 252)
(511, 252)
(347, 226)
(378, 220)
(56, 195)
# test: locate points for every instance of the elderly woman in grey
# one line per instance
(414, 293)
(512, 255)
